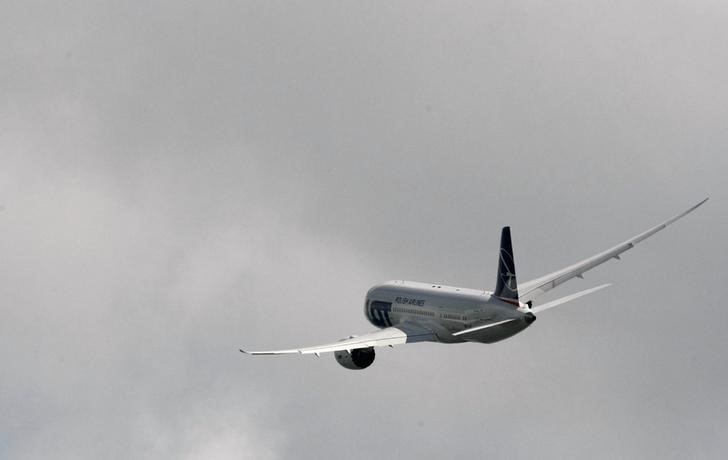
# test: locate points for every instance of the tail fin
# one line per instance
(506, 286)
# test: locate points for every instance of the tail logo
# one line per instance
(507, 277)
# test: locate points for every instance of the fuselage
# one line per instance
(445, 309)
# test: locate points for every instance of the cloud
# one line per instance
(181, 181)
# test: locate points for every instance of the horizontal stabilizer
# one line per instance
(485, 326)
(568, 298)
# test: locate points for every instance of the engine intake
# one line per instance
(358, 359)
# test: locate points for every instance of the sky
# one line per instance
(182, 179)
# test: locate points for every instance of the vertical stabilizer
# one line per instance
(506, 286)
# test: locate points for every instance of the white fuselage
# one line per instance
(445, 309)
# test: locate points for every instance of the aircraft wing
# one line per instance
(403, 333)
(532, 289)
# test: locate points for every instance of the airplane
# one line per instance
(409, 311)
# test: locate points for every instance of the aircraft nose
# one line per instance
(530, 317)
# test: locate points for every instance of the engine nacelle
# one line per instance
(360, 358)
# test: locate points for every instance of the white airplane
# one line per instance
(408, 311)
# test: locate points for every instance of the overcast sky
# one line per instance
(180, 179)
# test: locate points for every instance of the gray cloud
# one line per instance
(182, 180)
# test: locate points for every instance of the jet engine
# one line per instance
(361, 358)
